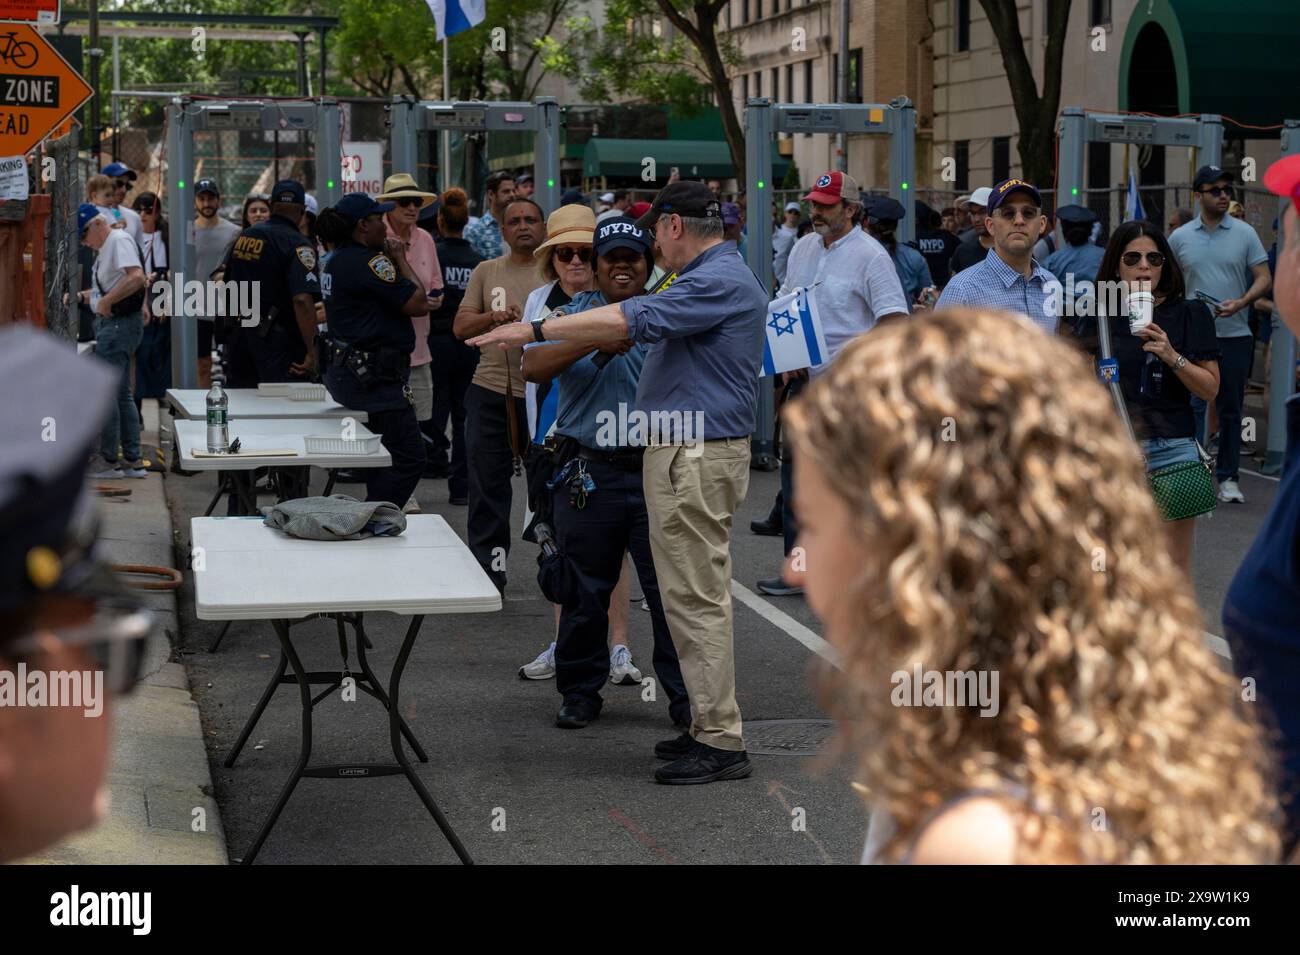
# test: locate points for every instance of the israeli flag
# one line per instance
(794, 333)
(1133, 205)
(456, 16)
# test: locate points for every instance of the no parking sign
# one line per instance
(363, 168)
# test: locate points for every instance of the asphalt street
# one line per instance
(514, 787)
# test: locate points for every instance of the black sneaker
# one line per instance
(705, 764)
(766, 527)
(575, 716)
(675, 748)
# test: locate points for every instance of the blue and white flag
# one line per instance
(456, 16)
(794, 333)
(1133, 205)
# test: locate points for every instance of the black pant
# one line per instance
(1234, 368)
(400, 433)
(594, 540)
(487, 446)
(453, 370)
(249, 358)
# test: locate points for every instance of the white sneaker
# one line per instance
(412, 506)
(645, 605)
(543, 668)
(1230, 492)
(136, 470)
(108, 474)
(622, 671)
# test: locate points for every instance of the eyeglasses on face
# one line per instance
(1009, 213)
(408, 202)
(565, 253)
(1154, 259)
(1218, 191)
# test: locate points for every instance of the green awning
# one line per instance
(694, 158)
(1236, 59)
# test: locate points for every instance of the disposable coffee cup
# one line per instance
(1141, 303)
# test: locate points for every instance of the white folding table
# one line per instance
(270, 434)
(253, 572)
(191, 403)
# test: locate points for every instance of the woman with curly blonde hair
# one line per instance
(969, 504)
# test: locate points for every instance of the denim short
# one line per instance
(1162, 452)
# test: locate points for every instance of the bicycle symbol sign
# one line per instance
(38, 89)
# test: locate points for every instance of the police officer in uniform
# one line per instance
(882, 216)
(1080, 256)
(370, 294)
(282, 260)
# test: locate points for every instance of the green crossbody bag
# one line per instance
(1185, 489)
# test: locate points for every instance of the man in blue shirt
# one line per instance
(600, 440)
(1080, 257)
(698, 388)
(1261, 612)
(485, 235)
(1218, 254)
(1008, 277)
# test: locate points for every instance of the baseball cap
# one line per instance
(730, 214)
(639, 209)
(832, 187)
(607, 197)
(207, 185)
(961, 201)
(793, 207)
(312, 205)
(116, 169)
(621, 233)
(1006, 187)
(286, 190)
(1208, 174)
(690, 199)
(980, 197)
(571, 196)
(524, 177)
(1283, 177)
(85, 212)
(355, 206)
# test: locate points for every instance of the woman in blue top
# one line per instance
(599, 503)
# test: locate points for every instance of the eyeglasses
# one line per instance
(407, 203)
(122, 183)
(566, 253)
(114, 639)
(1154, 259)
(143, 207)
(1217, 191)
(1009, 213)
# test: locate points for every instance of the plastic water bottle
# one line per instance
(218, 419)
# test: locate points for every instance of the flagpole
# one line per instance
(446, 133)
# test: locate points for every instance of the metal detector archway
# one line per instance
(411, 117)
(185, 117)
(1204, 134)
(763, 120)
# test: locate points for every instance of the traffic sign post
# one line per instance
(38, 89)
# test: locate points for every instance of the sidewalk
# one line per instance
(158, 772)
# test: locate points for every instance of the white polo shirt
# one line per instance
(859, 285)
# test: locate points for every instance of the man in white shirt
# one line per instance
(856, 287)
(124, 181)
(783, 240)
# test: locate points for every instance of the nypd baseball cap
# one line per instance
(693, 200)
(834, 187)
(286, 190)
(620, 232)
(1008, 186)
(355, 206)
(1207, 175)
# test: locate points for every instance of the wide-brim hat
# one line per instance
(402, 186)
(573, 223)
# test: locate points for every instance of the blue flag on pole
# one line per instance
(1133, 205)
(794, 337)
(456, 16)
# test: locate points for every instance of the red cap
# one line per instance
(833, 187)
(639, 209)
(1283, 177)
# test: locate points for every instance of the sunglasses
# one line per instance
(1217, 191)
(565, 254)
(114, 639)
(1009, 213)
(143, 207)
(1154, 259)
(407, 203)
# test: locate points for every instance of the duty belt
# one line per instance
(619, 457)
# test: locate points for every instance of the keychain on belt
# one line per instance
(580, 485)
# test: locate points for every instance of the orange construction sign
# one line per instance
(38, 89)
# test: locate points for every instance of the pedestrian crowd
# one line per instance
(952, 469)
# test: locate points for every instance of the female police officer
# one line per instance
(599, 504)
(370, 294)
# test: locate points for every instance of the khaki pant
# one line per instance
(691, 494)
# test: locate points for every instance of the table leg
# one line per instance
(378, 691)
(329, 481)
(220, 636)
(258, 710)
(395, 736)
(222, 488)
(304, 752)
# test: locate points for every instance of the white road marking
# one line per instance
(783, 621)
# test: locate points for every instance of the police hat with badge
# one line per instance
(48, 525)
(352, 209)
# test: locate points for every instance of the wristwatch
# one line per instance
(1181, 363)
(537, 324)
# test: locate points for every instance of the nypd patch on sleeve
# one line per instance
(307, 256)
(383, 266)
